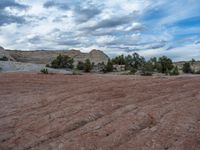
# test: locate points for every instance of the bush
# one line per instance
(119, 60)
(80, 65)
(47, 65)
(4, 58)
(175, 71)
(133, 71)
(44, 71)
(108, 67)
(147, 69)
(165, 65)
(62, 62)
(154, 63)
(187, 68)
(88, 65)
(134, 62)
(193, 61)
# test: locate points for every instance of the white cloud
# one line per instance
(105, 39)
(113, 26)
(178, 54)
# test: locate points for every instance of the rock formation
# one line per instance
(4, 53)
(46, 56)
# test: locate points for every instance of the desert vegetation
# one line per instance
(132, 63)
(88, 65)
(44, 71)
(188, 67)
(4, 58)
(96, 62)
(62, 62)
(66, 62)
(136, 63)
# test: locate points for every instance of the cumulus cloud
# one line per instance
(105, 39)
(10, 3)
(150, 27)
(7, 19)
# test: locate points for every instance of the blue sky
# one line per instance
(149, 27)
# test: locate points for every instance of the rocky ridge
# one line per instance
(46, 56)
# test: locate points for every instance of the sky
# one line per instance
(148, 27)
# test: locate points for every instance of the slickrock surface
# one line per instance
(12, 66)
(104, 112)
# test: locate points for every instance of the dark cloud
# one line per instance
(156, 46)
(169, 48)
(81, 14)
(85, 14)
(7, 19)
(197, 42)
(35, 40)
(111, 31)
(69, 42)
(129, 50)
(112, 22)
(133, 47)
(10, 3)
(50, 4)
(126, 49)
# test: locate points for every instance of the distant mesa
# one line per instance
(46, 56)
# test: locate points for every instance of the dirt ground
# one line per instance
(103, 112)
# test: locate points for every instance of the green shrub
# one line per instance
(80, 65)
(108, 67)
(134, 62)
(164, 65)
(154, 63)
(174, 71)
(187, 68)
(147, 69)
(47, 65)
(44, 71)
(193, 61)
(88, 65)
(62, 61)
(4, 58)
(133, 71)
(119, 60)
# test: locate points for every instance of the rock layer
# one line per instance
(107, 112)
(45, 56)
